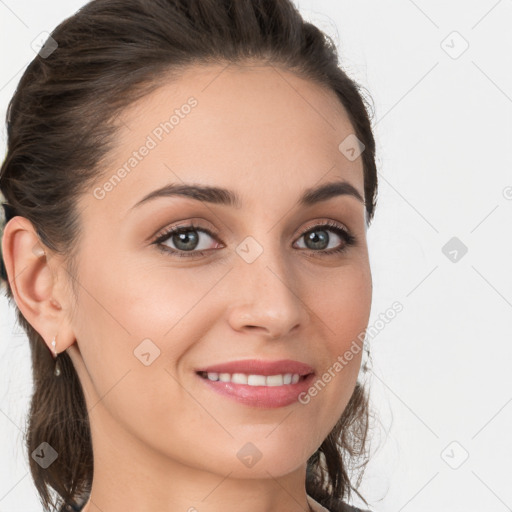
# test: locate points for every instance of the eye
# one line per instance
(187, 240)
(318, 239)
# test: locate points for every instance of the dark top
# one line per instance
(349, 508)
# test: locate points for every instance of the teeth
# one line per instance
(239, 378)
(255, 380)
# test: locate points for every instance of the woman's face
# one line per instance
(249, 281)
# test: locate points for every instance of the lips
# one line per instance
(259, 367)
(266, 397)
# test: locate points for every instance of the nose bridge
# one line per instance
(266, 295)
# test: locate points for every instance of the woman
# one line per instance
(188, 186)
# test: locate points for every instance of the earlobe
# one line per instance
(32, 281)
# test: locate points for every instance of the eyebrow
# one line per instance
(225, 197)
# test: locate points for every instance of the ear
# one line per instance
(37, 278)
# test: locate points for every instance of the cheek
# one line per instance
(128, 312)
(342, 308)
(343, 305)
(127, 319)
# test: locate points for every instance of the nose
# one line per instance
(266, 297)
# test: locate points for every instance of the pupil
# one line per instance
(318, 241)
(183, 237)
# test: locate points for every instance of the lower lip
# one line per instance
(260, 396)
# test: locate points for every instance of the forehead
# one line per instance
(257, 129)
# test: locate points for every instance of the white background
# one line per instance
(441, 380)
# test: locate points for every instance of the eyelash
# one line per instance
(349, 239)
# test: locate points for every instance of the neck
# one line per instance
(129, 475)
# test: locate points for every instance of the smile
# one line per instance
(261, 391)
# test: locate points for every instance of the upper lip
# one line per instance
(260, 367)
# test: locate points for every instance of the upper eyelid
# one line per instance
(184, 227)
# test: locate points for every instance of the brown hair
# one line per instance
(60, 129)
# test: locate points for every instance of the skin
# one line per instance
(162, 439)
